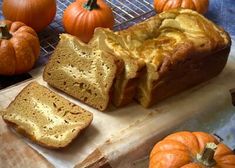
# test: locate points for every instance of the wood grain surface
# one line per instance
(15, 153)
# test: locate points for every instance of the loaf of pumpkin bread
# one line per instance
(164, 55)
(181, 48)
(45, 117)
(83, 72)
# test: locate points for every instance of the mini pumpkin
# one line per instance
(35, 13)
(200, 6)
(83, 16)
(19, 48)
(191, 150)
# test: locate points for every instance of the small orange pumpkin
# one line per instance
(191, 150)
(19, 48)
(34, 13)
(83, 16)
(200, 6)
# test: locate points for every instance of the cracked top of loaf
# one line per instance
(164, 34)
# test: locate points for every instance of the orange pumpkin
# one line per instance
(35, 13)
(19, 48)
(83, 16)
(200, 6)
(191, 150)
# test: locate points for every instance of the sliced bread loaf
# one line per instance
(82, 72)
(181, 48)
(126, 82)
(45, 117)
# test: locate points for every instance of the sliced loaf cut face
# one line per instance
(126, 82)
(82, 72)
(46, 117)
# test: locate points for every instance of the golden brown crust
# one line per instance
(187, 73)
(173, 44)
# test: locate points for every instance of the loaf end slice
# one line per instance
(45, 117)
(82, 72)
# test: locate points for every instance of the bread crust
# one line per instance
(181, 49)
(184, 74)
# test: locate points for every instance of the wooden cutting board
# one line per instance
(120, 137)
(15, 153)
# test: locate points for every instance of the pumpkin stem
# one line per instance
(91, 4)
(4, 32)
(207, 156)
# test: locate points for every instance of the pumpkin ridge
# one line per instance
(15, 26)
(13, 49)
(167, 5)
(182, 138)
(198, 143)
(30, 45)
(200, 6)
(84, 24)
(10, 48)
(168, 141)
(162, 5)
(100, 21)
(226, 159)
(176, 4)
(206, 138)
(15, 58)
(166, 156)
(21, 63)
(25, 29)
(111, 22)
(194, 5)
(76, 23)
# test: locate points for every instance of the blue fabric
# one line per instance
(222, 12)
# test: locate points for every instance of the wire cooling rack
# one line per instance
(127, 13)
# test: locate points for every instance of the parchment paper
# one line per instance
(133, 130)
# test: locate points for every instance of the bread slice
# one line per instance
(126, 82)
(180, 47)
(82, 72)
(45, 117)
